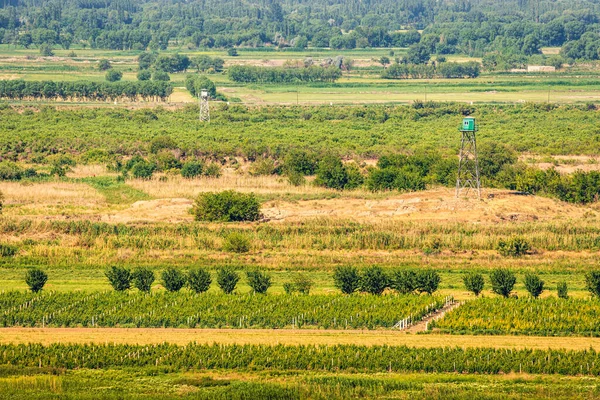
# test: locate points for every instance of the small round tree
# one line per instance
(562, 290)
(592, 282)
(427, 281)
(173, 279)
(119, 278)
(503, 282)
(403, 281)
(302, 283)
(112, 75)
(143, 278)
(35, 278)
(199, 280)
(534, 285)
(374, 280)
(259, 281)
(347, 279)
(474, 282)
(227, 279)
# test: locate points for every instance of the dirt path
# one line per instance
(421, 326)
(286, 336)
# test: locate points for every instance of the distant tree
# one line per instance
(503, 281)
(173, 279)
(592, 282)
(143, 169)
(427, 281)
(513, 247)
(199, 280)
(474, 282)
(104, 65)
(404, 281)
(302, 283)
(347, 279)
(112, 75)
(232, 52)
(331, 173)
(258, 281)
(46, 50)
(534, 285)
(161, 76)
(35, 278)
(144, 75)
(418, 54)
(227, 279)
(119, 278)
(143, 278)
(374, 280)
(192, 169)
(383, 60)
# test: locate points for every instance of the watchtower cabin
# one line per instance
(468, 125)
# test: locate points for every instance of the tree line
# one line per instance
(251, 74)
(84, 90)
(469, 69)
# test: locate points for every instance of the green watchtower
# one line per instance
(468, 124)
(468, 165)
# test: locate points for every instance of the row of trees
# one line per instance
(375, 280)
(84, 90)
(469, 69)
(251, 74)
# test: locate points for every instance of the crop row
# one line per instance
(317, 358)
(548, 316)
(183, 309)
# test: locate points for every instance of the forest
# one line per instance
(472, 27)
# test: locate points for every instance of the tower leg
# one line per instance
(468, 166)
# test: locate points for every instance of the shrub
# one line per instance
(288, 288)
(104, 65)
(296, 178)
(192, 169)
(232, 52)
(162, 143)
(143, 170)
(173, 279)
(503, 282)
(8, 250)
(513, 247)
(9, 171)
(199, 280)
(534, 285)
(302, 283)
(427, 281)
(332, 173)
(347, 279)
(562, 290)
(143, 278)
(301, 162)
(474, 282)
(226, 206)
(227, 279)
(119, 278)
(392, 178)
(374, 280)
(213, 170)
(263, 166)
(236, 242)
(403, 281)
(112, 75)
(592, 282)
(36, 279)
(259, 281)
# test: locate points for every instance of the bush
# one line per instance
(534, 285)
(104, 65)
(143, 278)
(392, 178)
(36, 279)
(332, 173)
(296, 178)
(513, 247)
(236, 242)
(227, 206)
(9, 171)
(143, 170)
(427, 281)
(347, 279)
(173, 279)
(592, 282)
(144, 75)
(503, 282)
(119, 278)
(8, 250)
(403, 281)
(199, 280)
(258, 281)
(213, 170)
(112, 75)
(474, 282)
(374, 280)
(301, 162)
(302, 283)
(562, 290)
(162, 143)
(227, 279)
(232, 52)
(192, 169)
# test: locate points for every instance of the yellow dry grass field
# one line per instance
(295, 337)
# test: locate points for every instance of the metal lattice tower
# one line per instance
(204, 109)
(468, 166)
